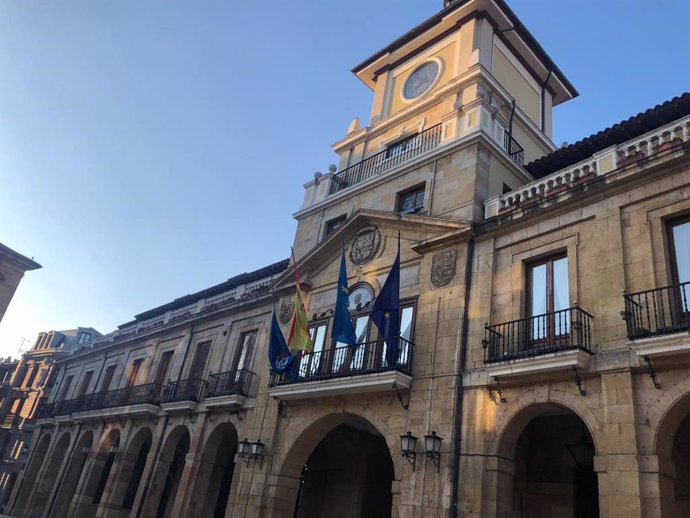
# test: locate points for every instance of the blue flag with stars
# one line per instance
(386, 312)
(343, 331)
(279, 355)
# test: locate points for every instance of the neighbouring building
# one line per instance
(24, 390)
(541, 368)
(12, 268)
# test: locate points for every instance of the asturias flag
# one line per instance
(278, 353)
(342, 330)
(299, 338)
(386, 312)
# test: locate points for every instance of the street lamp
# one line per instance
(408, 445)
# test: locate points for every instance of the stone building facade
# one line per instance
(544, 322)
(13, 265)
(24, 391)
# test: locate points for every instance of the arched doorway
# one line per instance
(30, 475)
(211, 492)
(348, 473)
(169, 471)
(553, 454)
(68, 483)
(92, 489)
(40, 501)
(673, 450)
(133, 467)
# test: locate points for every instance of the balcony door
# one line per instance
(548, 300)
(680, 258)
(245, 352)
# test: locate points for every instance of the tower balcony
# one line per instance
(367, 367)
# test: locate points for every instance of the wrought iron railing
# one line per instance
(149, 393)
(191, 389)
(390, 157)
(365, 358)
(514, 150)
(541, 334)
(229, 383)
(657, 312)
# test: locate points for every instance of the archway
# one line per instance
(345, 471)
(210, 495)
(30, 475)
(133, 467)
(168, 473)
(92, 488)
(40, 501)
(673, 450)
(553, 474)
(68, 483)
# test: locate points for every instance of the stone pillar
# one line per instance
(616, 461)
(657, 476)
(281, 494)
(155, 489)
(39, 501)
(82, 504)
(111, 501)
(499, 476)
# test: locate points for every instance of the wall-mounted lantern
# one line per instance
(408, 445)
(251, 450)
(432, 445)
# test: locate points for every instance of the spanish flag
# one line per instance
(299, 338)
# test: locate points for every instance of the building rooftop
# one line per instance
(628, 129)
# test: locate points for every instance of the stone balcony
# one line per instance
(368, 367)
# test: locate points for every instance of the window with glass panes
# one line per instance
(679, 237)
(548, 297)
(411, 200)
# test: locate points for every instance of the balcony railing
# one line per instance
(390, 157)
(657, 312)
(191, 389)
(514, 150)
(563, 330)
(235, 382)
(149, 393)
(365, 358)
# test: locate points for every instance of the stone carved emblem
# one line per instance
(365, 245)
(287, 307)
(443, 268)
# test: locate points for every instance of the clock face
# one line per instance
(360, 296)
(421, 79)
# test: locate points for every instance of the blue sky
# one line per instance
(150, 148)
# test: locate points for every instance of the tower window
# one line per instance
(411, 200)
(84, 338)
(334, 224)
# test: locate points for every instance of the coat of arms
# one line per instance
(442, 268)
(287, 307)
(365, 245)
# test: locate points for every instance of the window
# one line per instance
(245, 350)
(134, 372)
(310, 363)
(411, 200)
(200, 358)
(84, 338)
(679, 237)
(163, 370)
(399, 148)
(108, 378)
(334, 224)
(85, 383)
(548, 297)
(65, 390)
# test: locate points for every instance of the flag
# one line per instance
(299, 338)
(342, 330)
(386, 311)
(279, 355)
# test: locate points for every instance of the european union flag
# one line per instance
(386, 312)
(279, 355)
(342, 330)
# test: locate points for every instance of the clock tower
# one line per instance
(460, 104)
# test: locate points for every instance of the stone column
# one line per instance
(281, 493)
(111, 501)
(657, 476)
(40, 499)
(616, 461)
(82, 503)
(500, 473)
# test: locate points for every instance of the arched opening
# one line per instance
(553, 454)
(68, 483)
(211, 493)
(30, 475)
(177, 449)
(90, 493)
(347, 474)
(135, 462)
(673, 450)
(39, 502)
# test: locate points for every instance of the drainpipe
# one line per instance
(153, 468)
(543, 104)
(62, 478)
(459, 387)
